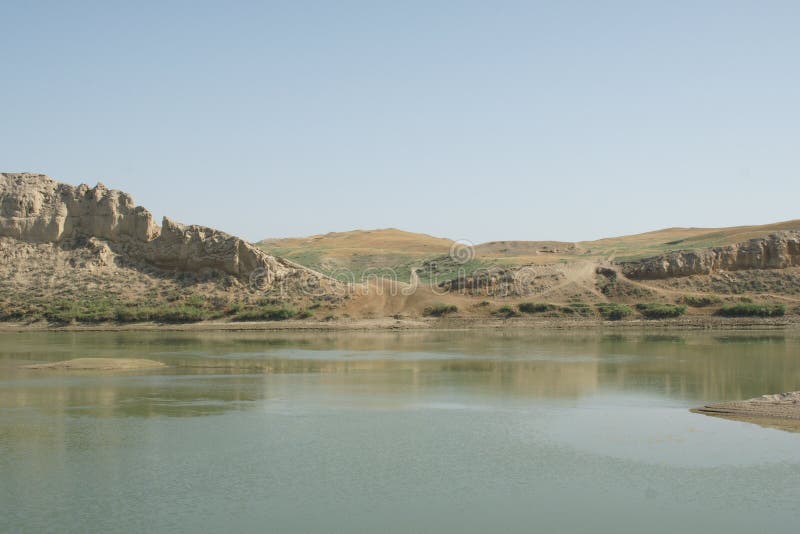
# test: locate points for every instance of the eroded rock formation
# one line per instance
(36, 209)
(776, 251)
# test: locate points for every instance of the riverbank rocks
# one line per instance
(776, 251)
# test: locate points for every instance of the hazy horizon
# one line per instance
(567, 121)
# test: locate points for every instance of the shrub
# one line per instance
(660, 311)
(577, 308)
(179, 314)
(440, 310)
(506, 311)
(700, 301)
(266, 313)
(87, 311)
(749, 309)
(614, 312)
(535, 307)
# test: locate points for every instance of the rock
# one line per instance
(776, 251)
(777, 406)
(36, 209)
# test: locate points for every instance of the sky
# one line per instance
(480, 121)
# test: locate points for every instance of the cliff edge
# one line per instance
(36, 209)
(779, 250)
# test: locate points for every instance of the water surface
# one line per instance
(396, 432)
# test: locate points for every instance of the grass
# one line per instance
(661, 311)
(749, 309)
(612, 311)
(535, 307)
(440, 310)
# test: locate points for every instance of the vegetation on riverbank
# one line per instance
(750, 309)
(660, 311)
(172, 310)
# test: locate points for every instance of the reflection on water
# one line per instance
(214, 372)
(395, 432)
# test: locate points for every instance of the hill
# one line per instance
(80, 254)
(350, 255)
(354, 255)
(91, 254)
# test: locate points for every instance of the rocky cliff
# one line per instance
(776, 251)
(36, 209)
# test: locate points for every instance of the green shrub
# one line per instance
(660, 311)
(86, 311)
(613, 312)
(749, 309)
(266, 313)
(577, 308)
(506, 311)
(440, 310)
(180, 314)
(700, 301)
(535, 307)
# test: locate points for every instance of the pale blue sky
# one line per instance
(471, 120)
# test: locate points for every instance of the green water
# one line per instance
(410, 432)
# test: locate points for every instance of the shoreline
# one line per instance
(780, 410)
(425, 324)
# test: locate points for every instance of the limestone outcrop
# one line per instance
(776, 251)
(37, 209)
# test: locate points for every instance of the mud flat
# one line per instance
(781, 410)
(99, 364)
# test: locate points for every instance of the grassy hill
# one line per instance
(367, 252)
(360, 252)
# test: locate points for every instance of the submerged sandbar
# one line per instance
(99, 364)
(777, 410)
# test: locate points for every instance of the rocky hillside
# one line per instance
(776, 251)
(89, 254)
(74, 244)
(36, 209)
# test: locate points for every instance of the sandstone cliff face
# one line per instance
(776, 251)
(36, 209)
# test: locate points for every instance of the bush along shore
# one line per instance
(180, 311)
(192, 308)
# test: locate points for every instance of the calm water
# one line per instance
(409, 432)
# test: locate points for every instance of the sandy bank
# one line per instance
(781, 410)
(99, 364)
(427, 323)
